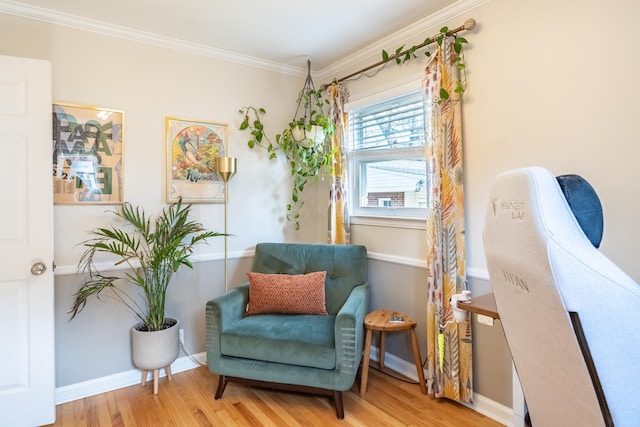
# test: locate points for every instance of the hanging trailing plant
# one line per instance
(402, 55)
(305, 142)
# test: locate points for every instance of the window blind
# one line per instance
(395, 123)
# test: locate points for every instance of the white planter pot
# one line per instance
(157, 349)
(314, 137)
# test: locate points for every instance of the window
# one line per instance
(387, 157)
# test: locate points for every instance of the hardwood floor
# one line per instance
(188, 401)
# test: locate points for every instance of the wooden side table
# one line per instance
(380, 320)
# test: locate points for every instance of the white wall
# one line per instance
(149, 83)
(550, 83)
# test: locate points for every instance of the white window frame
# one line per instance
(384, 216)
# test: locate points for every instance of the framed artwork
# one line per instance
(87, 155)
(192, 147)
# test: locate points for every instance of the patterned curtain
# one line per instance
(448, 343)
(339, 227)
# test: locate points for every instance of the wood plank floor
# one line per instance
(188, 401)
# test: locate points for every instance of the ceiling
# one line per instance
(281, 31)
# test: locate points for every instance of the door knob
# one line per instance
(38, 268)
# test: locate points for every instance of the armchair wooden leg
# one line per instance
(337, 400)
(222, 384)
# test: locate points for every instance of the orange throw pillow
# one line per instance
(287, 294)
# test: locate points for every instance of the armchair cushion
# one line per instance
(303, 340)
(287, 294)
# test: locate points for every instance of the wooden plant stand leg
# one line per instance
(156, 377)
(156, 374)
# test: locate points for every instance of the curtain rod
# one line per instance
(468, 25)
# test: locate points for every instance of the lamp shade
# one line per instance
(225, 167)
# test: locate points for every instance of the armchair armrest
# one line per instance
(349, 329)
(221, 312)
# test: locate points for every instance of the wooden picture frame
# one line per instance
(87, 155)
(192, 147)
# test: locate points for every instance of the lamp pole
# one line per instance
(225, 167)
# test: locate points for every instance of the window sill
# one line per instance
(389, 222)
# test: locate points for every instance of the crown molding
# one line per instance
(346, 65)
(330, 72)
(85, 24)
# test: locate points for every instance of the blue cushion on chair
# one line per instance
(585, 205)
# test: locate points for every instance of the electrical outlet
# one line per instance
(181, 334)
(485, 320)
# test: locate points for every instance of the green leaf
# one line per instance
(262, 110)
(385, 55)
(443, 93)
(444, 30)
(245, 123)
(251, 143)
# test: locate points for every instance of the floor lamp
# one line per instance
(225, 167)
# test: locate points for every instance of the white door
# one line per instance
(27, 378)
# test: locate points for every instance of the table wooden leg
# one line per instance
(365, 363)
(167, 369)
(383, 346)
(418, 360)
(143, 382)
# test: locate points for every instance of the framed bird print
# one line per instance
(192, 147)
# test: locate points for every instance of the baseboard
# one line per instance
(483, 405)
(120, 380)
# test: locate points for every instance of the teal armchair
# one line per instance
(299, 352)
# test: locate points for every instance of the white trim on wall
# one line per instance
(399, 38)
(120, 380)
(67, 270)
(85, 24)
(476, 273)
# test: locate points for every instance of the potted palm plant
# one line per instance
(153, 250)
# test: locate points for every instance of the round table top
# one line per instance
(381, 320)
